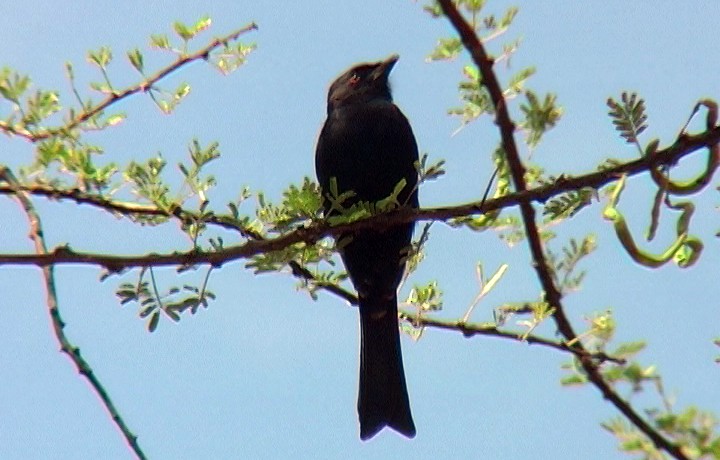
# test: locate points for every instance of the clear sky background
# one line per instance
(265, 372)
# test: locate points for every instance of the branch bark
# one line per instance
(73, 352)
(552, 293)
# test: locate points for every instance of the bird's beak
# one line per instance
(385, 67)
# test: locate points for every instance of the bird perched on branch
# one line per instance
(366, 147)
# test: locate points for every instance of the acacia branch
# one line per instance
(143, 86)
(517, 170)
(73, 352)
(467, 329)
(682, 147)
(472, 329)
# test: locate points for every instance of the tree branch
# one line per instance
(143, 86)
(467, 329)
(682, 147)
(472, 329)
(517, 170)
(73, 352)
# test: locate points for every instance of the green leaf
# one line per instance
(539, 116)
(626, 350)
(172, 314)
(202, 24)
(153, 323)
(183, 31)
(507, 19)
(13, 85)
(628, 116)
(182, 91)
(575, 379)
(446, 48)
(101, 87)
(160, 41)
(136, 59)
(101, 57)
(116, 119)
(426, 298)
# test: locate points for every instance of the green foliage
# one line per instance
(299, 205)
(539, 116)
(27, 110)
(475, 97)
(67, 162)
(200, 158)
(485, 285)
(517, 82)
(358, 210)
(136, 60)
(427, 173)
(62, 152)
(322, 279)
(422, 300)
(231, 57)
(173, 303)
(693, 430)
(167, 101)
(188, 32)
(148, 182)
(446, 48)
(539, 312)
(425, 298)
(304, 254)
(416, 253)
(487, 27)
(568, 204)
(628, 116)
(13, 85)
(101, 58)
(564, 268)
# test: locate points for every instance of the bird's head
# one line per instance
(363, 83)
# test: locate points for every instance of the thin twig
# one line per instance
(115, 97)
(517, 170)
(489, 330)
(155, 288)
(73, 352)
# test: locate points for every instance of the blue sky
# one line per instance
(265, 372)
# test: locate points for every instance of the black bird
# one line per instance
(368, 147)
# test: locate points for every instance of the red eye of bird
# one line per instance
(354, 79)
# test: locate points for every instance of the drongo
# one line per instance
(367, 147)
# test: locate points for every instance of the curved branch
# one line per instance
(115, 97)
(517, 170)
